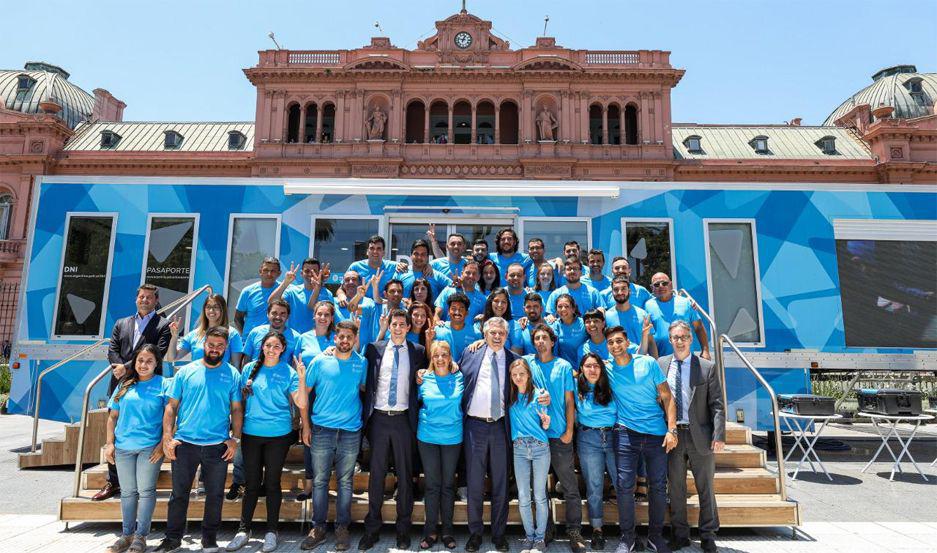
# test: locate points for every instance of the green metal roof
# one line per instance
(49, 83)
(889, 87)
(784, 142)
(147, 136)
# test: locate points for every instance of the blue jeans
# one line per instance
(341, 447)
(532, 455)
(137, 488)
(596, 455)
(631, 446)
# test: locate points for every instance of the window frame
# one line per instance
(673, 250)
(688, 142)
(754, 142)
(757, 266)
(242, 140)
(114, 137)
(381, 229)
(6, 227)
(522, 237)
(176, 137)
(107, 276)
(146, 250)
(230, 243)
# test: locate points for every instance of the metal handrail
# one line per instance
(78, 354)
(779, 452)
(718, 358)
(182, 302)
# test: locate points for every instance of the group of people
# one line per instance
(474, 367)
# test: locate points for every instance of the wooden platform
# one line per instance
(61, 450)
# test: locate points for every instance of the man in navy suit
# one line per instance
(390, 412)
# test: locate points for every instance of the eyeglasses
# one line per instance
(681, 338)
(660, 284)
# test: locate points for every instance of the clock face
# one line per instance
(463, 40)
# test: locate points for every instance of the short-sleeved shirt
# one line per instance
(599, 285)
(476, 298)
(569, 337)
(639, 296)
(252, 344)
(517, 305)
(458, 339)
(140, 424)
(365, 271)
(631, 320)
(446, 267)
(634, 387)
(600, 349)
(586, 298)
(365, 320)
(205, 396)
(437, 280)
(525, 417)
(525, 340)
(302, 318)
(592, 414)
(253, 302)
(267, 412)
(440, 419)
(557, 377)
(663, 313)
(313, 344)
(503, 262)
(337, 383)
(195, 344)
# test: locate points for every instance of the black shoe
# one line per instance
(210, 545)
(473, 543)
(708, 545)
(367, 541)
(576, 543)
(168, 545)
(235, 492)
(680, 543)
(501, 543)
(658, 544)
(262, 492)
(403, 541)
(598, 539)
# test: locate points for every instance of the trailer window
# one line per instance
(649, 249)
(170, 246)
(252, 238)
(734, 290)
(84, 276)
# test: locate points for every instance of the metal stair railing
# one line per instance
(713, 338)
(176, 306)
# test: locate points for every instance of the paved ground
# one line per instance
(855, 513)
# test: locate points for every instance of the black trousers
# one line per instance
(487, 451)
(214, 471)
(390, 435)
(563, 460)
(439, 466)
(263, 456)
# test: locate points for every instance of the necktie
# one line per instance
(495, 388)
(392, 393)
(678, 393)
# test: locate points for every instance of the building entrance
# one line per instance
(404, 230)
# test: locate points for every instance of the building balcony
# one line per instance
(11, 250)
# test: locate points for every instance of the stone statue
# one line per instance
(546, 123)
(376, 122)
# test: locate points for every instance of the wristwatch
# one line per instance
(236, 440)
(673, 431)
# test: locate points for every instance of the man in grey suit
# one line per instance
(701, 425)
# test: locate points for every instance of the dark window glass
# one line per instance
(252, 239)
(341, 242)
(169, 256)
(84, 276)
(647, 247)
(402, 236)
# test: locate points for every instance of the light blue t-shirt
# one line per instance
(525, 340)
(195, 344)
(600, 349)
(634, 387)
(569, 337)
(252, 344)
(365, 320)
(458, 339)
(440, 420)
(599, 285)
(446, 267)
(503, 262)
(525, 418)
(557, 377)
(337, 383)
(586, 298)
(639, 296)
(140, 424)
(253, 302)
(302, 317)
(631, 320)
(437, 281)
(664, 313)
(476, 302)
(205, 396)
(589, 413)
(517, 304)
(312, 344)
(267, 412)
(365, 272)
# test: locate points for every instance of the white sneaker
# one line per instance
(239, 541)
(270, 542)
(462, 493)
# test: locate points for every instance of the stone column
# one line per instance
(426, 137)
(267, 115)
(302, 124)
(584, 117)
(658, 120)
(621, 124)
(279, 115)
(605, 125)
(320, 115)
(498, 123)
(526, 123)
(358, 116)
(393, 118)
(474, 135)
(451, 131)
(643, 129)
(338, 131)
(564, 117)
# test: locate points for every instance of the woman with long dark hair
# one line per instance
(490, 276)
(595, 415)
(421, 291)
(322, 334)
(134, 436)
(214, 313)
(570, 329)
(498, 304)
(546, 281)
(269, 384)
(421, 317)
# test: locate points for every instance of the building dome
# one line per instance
(23, 91)
(911, 93)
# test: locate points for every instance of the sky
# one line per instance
(746, 61)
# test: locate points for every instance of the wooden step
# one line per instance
(62, 450)
(735, 510)
(738, 434)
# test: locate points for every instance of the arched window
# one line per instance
(309, 126)
(416, 120)
(485, 123)
(614, 124)
(509, 122)
(631, 124)
(328, 123)
(462, 123)
(292, 123)
(595, 124)
(439, 122)
(6, 215)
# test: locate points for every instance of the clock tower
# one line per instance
(463, 39)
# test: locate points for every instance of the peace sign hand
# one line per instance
(431, 232)
(430, 334)
(648, 325)
(325, 273)
(456, 279)
(300, 367)
(174, 325)
(291, 274)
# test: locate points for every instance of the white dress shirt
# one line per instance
(480, 405)
(403, 379)
(684, 368)
(139, 325)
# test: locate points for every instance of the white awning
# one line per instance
(452, 187)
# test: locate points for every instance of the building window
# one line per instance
(172, 140)
(341, 241)
(293, 114)
(555, 233)
(915, 85)
(760, 144)
(631, 124)
(827, 145)
(734, 282)
(886, 282)
(85, 275)
(649, 248)
(24, 84)
(251, 239)
(6, 215)
(109, 139)
(694, 144)
(236, 140)
(170, 247)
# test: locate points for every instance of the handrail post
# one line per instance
(718, 358)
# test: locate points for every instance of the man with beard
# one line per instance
(358, 308)
(506, 254)
(516, 291)
(533, 309)
(278, 312)
(466, 284)
(459, 332)
(421, 268)
(596, 278)
(633, 319)
(201, 427)
(665, 308)
(639, 294)
(480, 249)
(454, 262)
(586, 296)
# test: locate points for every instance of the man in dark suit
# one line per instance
(701, 425)
(487, 433)
(390, 417)
(144, 327)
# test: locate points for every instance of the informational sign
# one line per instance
(169, 258)
(84, 275)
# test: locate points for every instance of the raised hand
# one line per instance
(325, 273)
(291, 274)
(430, 333)
(648, 326)
(363, 290)
(175, 325)
(431, 232)
(544, 419)
(300, 367)
(315, 278)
